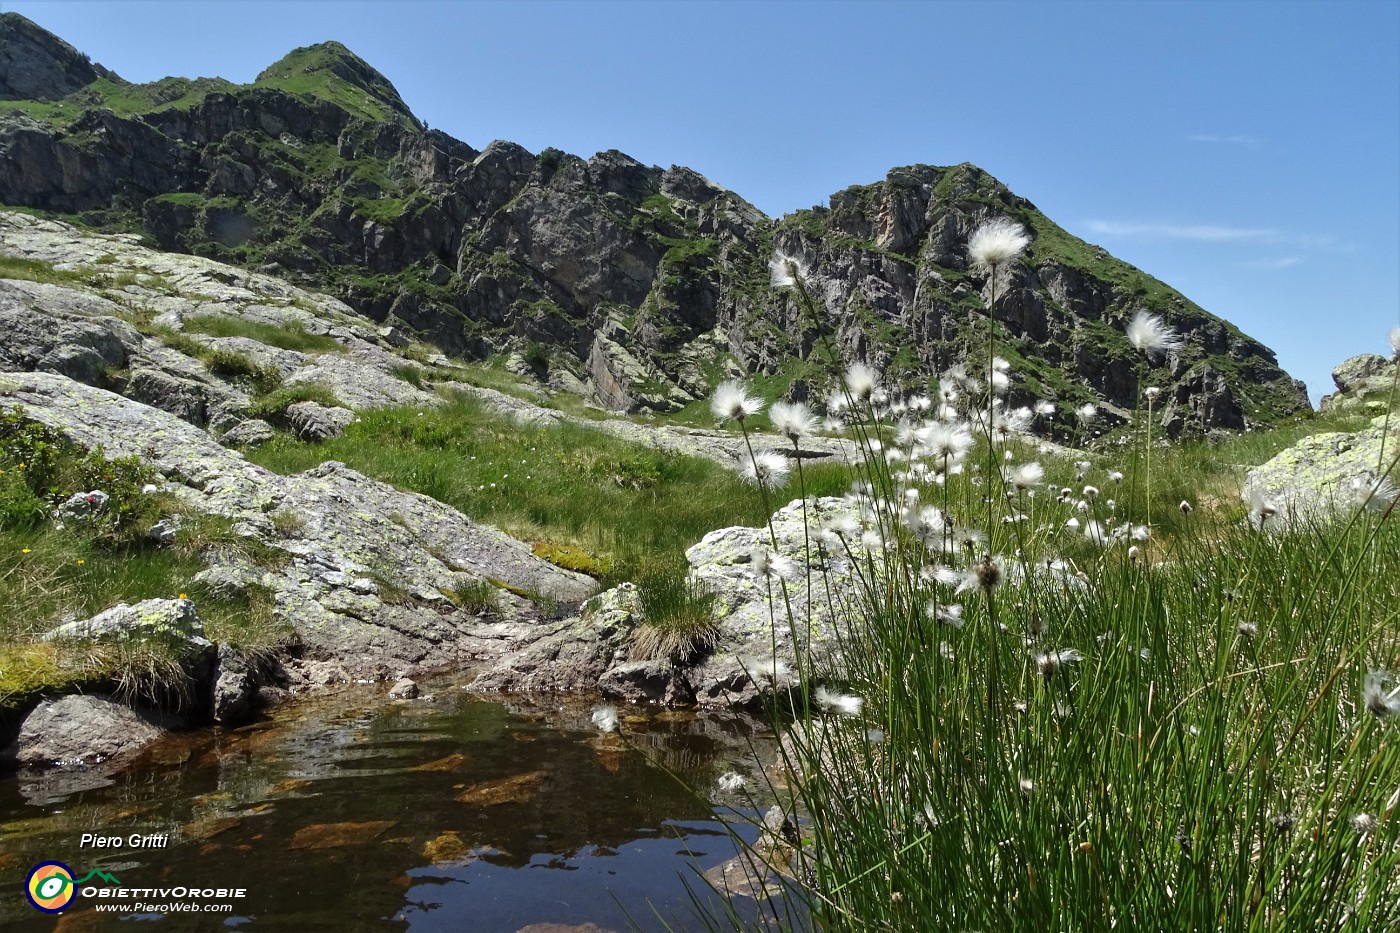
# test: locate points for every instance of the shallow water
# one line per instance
(352, 812)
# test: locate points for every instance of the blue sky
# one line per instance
(1246, 153)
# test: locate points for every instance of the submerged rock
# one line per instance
(404, 689)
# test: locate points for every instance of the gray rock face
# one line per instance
(62, 343)
(168, 621)
(356, 537)
(315, 422)
(183, 398)
(234, 687)
(76, 730)
(1354, 374)
(573, 655)
(551, 248)
(37, 65)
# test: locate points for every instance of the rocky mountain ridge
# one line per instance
(635, 286)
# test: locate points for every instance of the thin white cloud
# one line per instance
(1232, 139)
(1215, 233)
(1212, 233)
(1281, 262)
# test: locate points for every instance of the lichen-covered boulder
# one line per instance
(572, 655)
(757, 641)
(1326, 475)
(764, 619)
(353, 539)
(1363, 382)
(166, 620)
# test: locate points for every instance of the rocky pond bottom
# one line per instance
(352, 812)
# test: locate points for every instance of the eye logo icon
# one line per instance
(50, 886)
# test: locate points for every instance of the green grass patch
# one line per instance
(275, 404)
(291, 335)
(565, 484)
(50, 573)
(571, 557)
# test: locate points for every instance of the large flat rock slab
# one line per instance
(356, 538)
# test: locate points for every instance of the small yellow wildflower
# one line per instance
(183, 596)
(24, 550)
(81, 562)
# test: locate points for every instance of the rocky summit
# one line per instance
(635, 286)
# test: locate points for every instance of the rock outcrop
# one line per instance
(760, 629)
(1364, 383)
(637, 285)
(353, 541)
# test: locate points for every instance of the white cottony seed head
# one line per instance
(842, 703)
(1377, 696)
(793, 419)
(861, 380)
(996, 243)
(605, 717)
(1050, 662)
(786, 271)
(1151, 335)
(731, 402)
(766, 468)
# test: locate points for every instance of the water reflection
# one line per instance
(448, 813)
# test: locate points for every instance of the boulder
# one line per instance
(163, 532)
(166, 620)
(404, 689)
(1356, 374)
(186, 399)
(78, 730)
(248, 434)
(1327, 475)
(1363, 383)
(82, 505)
(315, 422)
(756, 644)
(572, 655)
(235, 687)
